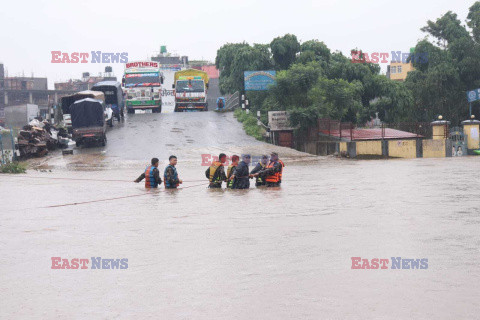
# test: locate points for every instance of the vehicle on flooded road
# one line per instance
(88, 121)
(67, 101)
(191, 87)
(143, 86)
(113, 96)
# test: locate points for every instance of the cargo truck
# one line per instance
(191, 88)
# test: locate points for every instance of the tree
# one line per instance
(284, 50)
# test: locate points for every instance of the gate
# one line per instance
(459, 142)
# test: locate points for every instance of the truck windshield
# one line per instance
(142, 80)
(190, 86)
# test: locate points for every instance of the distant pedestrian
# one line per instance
(170, 175)
(151, 175)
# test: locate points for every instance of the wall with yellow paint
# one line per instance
(433, 148)
(369, 148)
(402, 148)
(472, 132)
(343, 147)
(405, 68)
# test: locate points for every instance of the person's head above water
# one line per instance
(155, 162)
(173, 160)
(222, 157)
(264, 159)
(246, 158)
(273, 156)
(235, 159)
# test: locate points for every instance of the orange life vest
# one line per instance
(277, 176)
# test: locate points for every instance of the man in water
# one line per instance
(170, 175)
(151, 175)
(231, 170)
(261, 165)
(241, 176)
(274, 171)
(216, 172)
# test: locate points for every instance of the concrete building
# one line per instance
(398, 70)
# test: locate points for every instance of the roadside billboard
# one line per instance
(259, 80)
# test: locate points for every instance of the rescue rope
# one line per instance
(87, 179)
(108, 199)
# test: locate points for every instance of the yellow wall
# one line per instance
(369, 148)
(434, 148)
(406, 68)
(438, 131)
(471, 130)
(402, 148)
(343, 147)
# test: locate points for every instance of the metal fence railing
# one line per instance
(233, 101)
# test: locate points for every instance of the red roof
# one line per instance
(371, 134)
(212, 71)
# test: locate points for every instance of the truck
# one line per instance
(142, 82)
(191, 87)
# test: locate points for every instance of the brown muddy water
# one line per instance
(284, 253)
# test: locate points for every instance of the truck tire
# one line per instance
(110, 122)
(77, 143)
(104, 141)
(130, 111)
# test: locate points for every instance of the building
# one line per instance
(398, 70)
(87, 81)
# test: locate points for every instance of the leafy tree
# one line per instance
(284, 50)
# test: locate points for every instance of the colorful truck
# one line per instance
(191, 88)
(143, 86)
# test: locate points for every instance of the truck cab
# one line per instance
(191, 87)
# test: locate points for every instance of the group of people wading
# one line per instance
(267, 172)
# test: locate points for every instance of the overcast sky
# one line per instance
(32, 29)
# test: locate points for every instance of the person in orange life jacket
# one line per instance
(170, 175)
(151, 175)
(216, 172)
(231, 170)
(273, 171)
(240, 175)
(260, 178)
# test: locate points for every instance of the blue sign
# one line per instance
(473, 95)
(259, 80)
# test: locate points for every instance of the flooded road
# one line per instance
(196, 253)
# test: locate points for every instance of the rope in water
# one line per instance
(85, 179)
(109, 199)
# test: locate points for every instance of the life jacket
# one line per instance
(175, 177)
(213, 168)
(260, 178)
(277, 176)
(149, 178)
(230, 170)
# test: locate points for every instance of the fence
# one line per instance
(7, 146)
(233, 101)
(400, 130)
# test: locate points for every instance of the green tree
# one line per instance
(284, 50)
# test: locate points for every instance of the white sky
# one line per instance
(31, 29)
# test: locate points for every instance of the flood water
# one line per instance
(196, 253)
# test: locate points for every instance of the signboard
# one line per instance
(473, 95)
(142, 64)
(259, 80)
(279, 120)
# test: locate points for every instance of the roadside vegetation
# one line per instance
(13, 167)
(250, 126)
(314, 82)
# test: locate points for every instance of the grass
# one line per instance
(13, 167)
(250, 125)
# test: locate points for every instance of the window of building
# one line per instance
(399, 69)
(393, 70)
